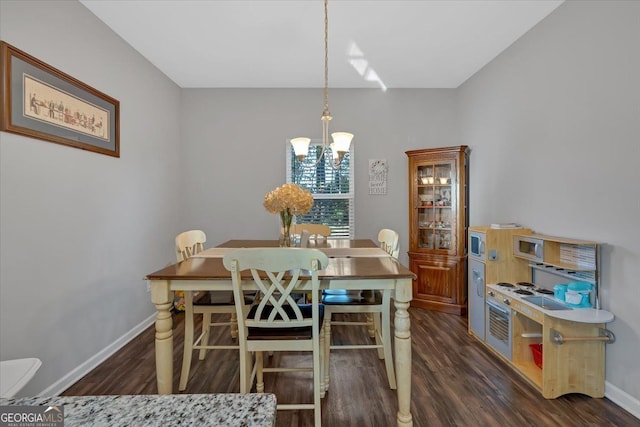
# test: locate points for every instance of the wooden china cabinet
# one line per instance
(438, 221)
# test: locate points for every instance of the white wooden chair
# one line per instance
(304, 238)
(376, 305)
(276, 322)
(389, 242)
(188, 244)
(315, 231)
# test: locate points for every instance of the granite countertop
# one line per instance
(232, 409)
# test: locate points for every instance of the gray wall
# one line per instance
(553, 123)
(220, 126)
(80, 230)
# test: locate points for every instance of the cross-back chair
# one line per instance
(275, 322)
(376, 305)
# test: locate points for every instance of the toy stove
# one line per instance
(523, 288)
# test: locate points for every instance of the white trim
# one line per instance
(622, 399)
(72, 377)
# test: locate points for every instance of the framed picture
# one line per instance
(42, 102)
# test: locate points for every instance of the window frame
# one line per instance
(350, 196)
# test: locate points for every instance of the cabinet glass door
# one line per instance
(435, 184)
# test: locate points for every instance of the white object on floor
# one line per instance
(15, 374)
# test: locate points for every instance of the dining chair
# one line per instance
(316, 231)
(374, 304)
(389, 242)
(304, 238)
(188, 244)
(275, 322)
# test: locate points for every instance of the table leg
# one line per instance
(160, 296)
(402, 325)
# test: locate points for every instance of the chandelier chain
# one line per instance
(326, 59)
(341, 140)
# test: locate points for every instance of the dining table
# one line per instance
(357, 264)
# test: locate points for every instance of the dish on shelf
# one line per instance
(426, 180)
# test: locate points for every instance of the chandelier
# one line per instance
(341, 140)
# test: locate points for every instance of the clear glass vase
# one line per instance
(286, 239)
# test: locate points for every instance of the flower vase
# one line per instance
(286, 218)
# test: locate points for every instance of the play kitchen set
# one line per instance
(534, 300)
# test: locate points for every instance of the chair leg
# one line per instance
(259, 372)
(322, 356)
(378, 334)
(234, 325)
(371, 325)
(327, 349)
(188, 340)
(317, 381)
(206, 327)
(245, 370)
(386, 340)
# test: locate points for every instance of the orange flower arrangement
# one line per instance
(288, 200)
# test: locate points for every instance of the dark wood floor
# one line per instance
(455, 382)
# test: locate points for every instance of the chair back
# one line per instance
(275, 272)
(315, 230)
(189, 243)
(389, 242)
(304, 238)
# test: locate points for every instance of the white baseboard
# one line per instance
(72, 377)
(622, 399)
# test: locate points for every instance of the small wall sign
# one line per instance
(378, 176)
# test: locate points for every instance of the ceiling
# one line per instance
(372, 43)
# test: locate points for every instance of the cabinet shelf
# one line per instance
(530, 371)
(559, 267)
(561, 253)
(568, 273)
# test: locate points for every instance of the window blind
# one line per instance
(332, 189)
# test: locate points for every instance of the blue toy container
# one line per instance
(578, 294)
(559, 291)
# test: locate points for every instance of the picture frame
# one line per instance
(40, 101)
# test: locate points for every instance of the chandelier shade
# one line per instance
(301, 147)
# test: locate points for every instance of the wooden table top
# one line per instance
(328, 243)
(339, 268)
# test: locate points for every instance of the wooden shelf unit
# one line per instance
(568, 259)
(438, 220)
(557, 251)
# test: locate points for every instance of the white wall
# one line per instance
(80, 230)
(234, 143)
(553, 123)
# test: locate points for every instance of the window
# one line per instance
(333, 190)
